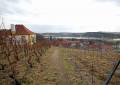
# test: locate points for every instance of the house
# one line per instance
(23, 35)
(19, 34)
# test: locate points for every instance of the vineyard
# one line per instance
(68, 66)
(47, 63)
(17, 61)
(89, 67)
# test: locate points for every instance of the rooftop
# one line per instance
(22, 30)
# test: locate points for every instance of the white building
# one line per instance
(18, 34)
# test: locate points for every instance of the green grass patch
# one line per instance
(26, 82)
(68, 66)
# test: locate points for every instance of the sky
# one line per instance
(62, 15)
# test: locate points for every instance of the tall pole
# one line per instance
(113, 69)
(112, 73)
(2, 26)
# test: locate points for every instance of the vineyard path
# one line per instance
(57, 61)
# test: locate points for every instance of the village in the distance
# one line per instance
(29, 58)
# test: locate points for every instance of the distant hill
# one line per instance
(87, 34)
(101, 34)
(39, 37)
(63, 34)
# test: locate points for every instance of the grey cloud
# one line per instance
(11, 1)
(47, 28)
(11, 7)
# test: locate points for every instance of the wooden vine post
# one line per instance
(117, 63)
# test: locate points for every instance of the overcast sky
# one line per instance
(63, 15)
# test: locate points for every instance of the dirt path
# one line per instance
(57, 61)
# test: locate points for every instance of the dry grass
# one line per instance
(90, 67)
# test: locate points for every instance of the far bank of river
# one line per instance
(88, 38)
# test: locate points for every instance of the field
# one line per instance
(58, 66)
